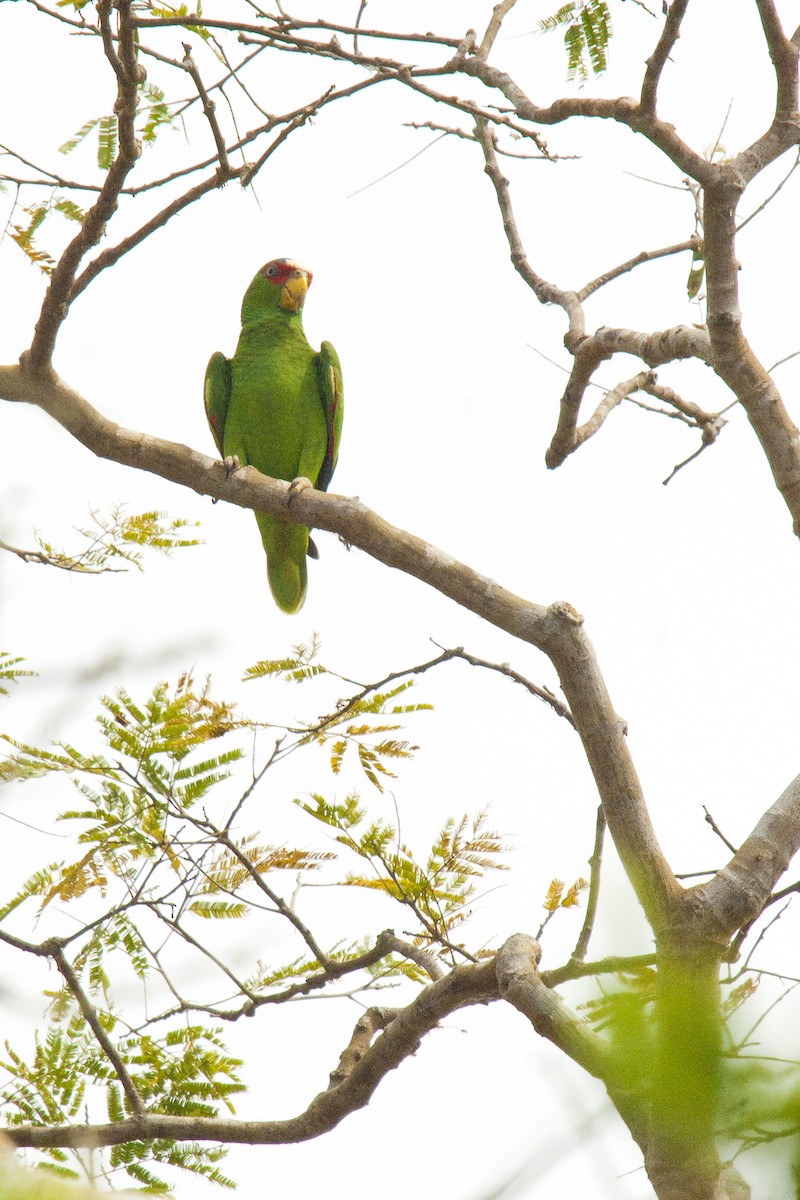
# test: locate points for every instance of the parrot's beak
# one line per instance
(293, 292)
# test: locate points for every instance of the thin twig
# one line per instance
(770, 197)
(595, 863)
(710, 820)
(644, 256)
(394, 170)
(93, 1021)
(208, 109)
(50, 560)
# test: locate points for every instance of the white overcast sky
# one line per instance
(690, 592)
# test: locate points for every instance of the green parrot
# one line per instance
(277, 405)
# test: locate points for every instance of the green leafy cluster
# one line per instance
(587, 32)
(181, 10)
(186, 1072)
(438, 890)
(352, 727)
(24, 234)
(156, 847)
(152, 113)
(118, 539)
(10, 671)
(757, 1096)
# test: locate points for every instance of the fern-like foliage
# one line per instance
(186, 1072)
(560, 896)
(24, 233)
(181, 10)
(355, 726)
(437, 889)
(155, 113)
(296, 667)
(586, 26)
(10, 671)
(157, 844)
(114, 542)
(24, 236)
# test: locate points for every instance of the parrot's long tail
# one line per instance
(286, 547)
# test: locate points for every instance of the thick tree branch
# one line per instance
(739, 892)
(129, 76)
(732, 356)
(521, 985)
(658, 59)
(783, 53)
(557, 630)
(655, 349)
(499, 13)
(353, 1084)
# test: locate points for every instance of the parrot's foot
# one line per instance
(232, 464)
(301, 484)
(312, 550)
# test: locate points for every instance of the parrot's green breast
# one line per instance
(276, 420)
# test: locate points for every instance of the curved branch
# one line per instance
(544, 291)
(352, 1083)
(783, 53)
(693, 243)
(658, 59)
(557, 630)
(521, 985)
(654, 349)
(622, 109)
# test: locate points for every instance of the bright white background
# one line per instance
(690, 591)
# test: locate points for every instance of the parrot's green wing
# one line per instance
(217, 396)
(329, 375)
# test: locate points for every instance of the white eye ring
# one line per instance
(272, 271)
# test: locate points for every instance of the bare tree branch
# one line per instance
(658, 59)
(92, 1020)
(129, 76)
(463, 986)
(557, 630)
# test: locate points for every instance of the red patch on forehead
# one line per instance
(279, 270)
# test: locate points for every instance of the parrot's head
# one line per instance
(279, 284)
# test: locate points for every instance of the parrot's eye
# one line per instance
(272, 271)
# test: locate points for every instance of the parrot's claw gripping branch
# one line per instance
(297, 487)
